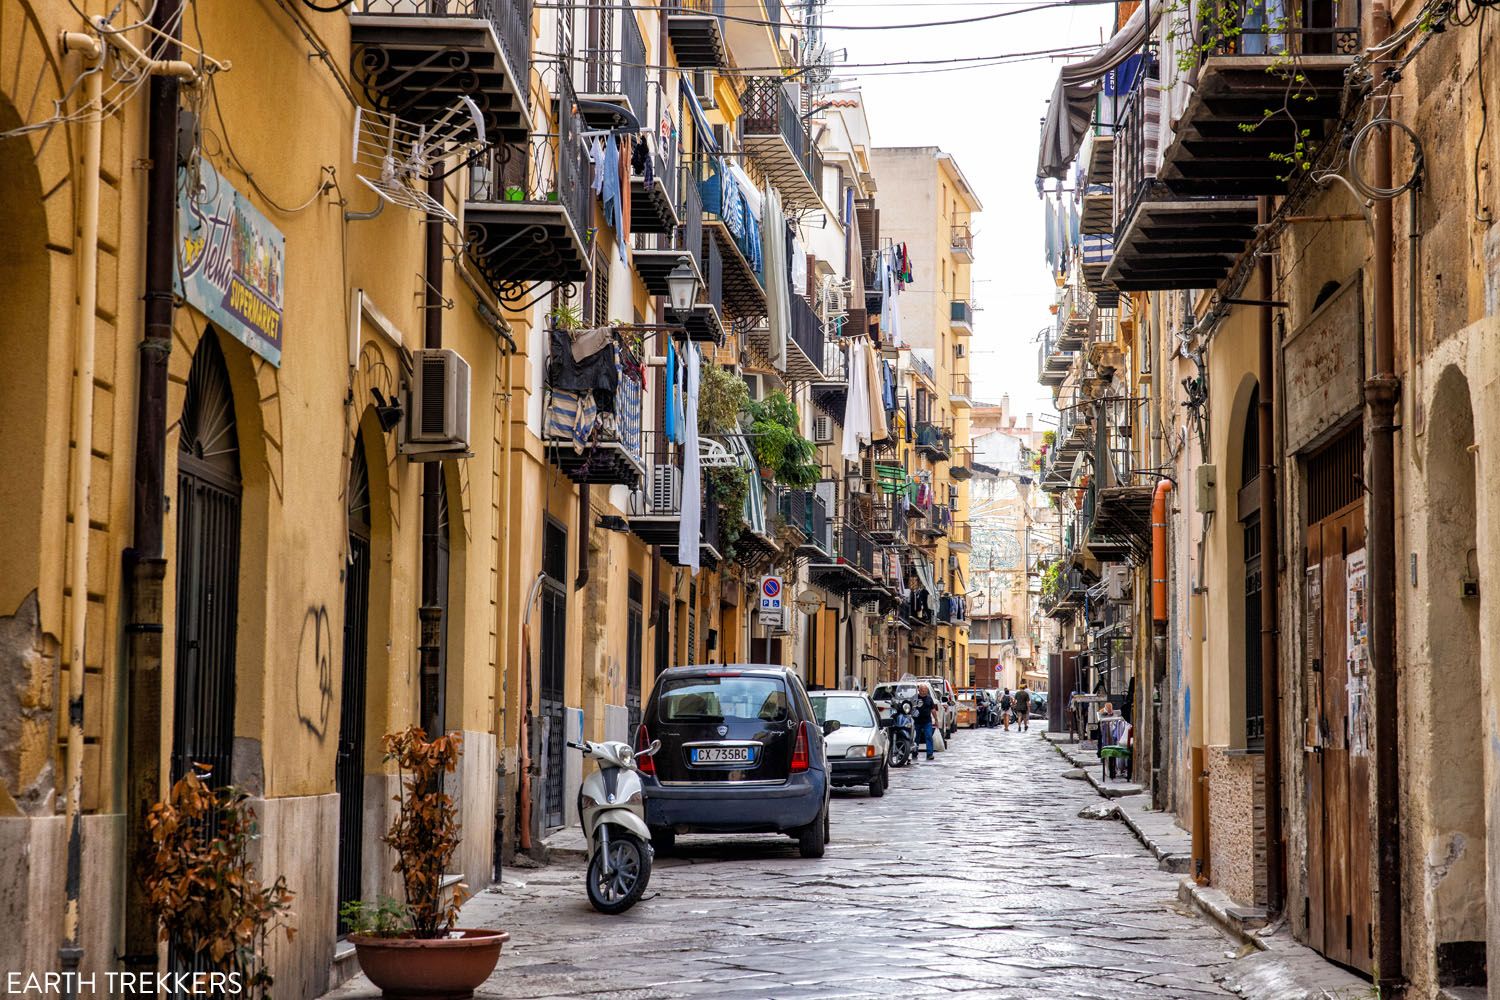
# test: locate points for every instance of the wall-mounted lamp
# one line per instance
(682, 288)
(387, 411)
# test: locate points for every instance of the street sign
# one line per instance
(770, 601)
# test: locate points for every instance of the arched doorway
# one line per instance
(208, 565)
(1455, 792)
(349, 765)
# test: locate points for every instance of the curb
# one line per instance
(1215, 906)
(1168, 861)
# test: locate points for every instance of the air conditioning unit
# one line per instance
(437, 414)
(953, 564)
(822, 430)
(666, 489)
(1117, 580)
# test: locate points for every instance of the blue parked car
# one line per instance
(741, 752)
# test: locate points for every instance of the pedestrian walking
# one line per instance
(1023, 708)
(925, 709)
(1007, 705)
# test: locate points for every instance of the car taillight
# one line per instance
(646, 765)
(800, 760)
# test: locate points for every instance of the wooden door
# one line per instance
(1340, 887)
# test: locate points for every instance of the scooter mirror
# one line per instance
(651, 750)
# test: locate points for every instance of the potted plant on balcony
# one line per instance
(414, 949)
(778, 444)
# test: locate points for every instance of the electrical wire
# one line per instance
(953, 22)
(746, 71)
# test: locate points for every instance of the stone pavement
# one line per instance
(973, 875)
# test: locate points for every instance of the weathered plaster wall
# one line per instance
(1236, 820)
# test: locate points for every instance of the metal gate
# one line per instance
(349, 770)
(208, 567)
(554, 609)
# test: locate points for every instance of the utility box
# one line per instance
(1206, 482)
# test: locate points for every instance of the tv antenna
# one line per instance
(395, 158)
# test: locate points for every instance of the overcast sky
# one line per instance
(989, 118)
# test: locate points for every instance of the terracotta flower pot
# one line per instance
(429, 969)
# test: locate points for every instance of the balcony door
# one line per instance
(554, 612)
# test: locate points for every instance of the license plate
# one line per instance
(722, 755)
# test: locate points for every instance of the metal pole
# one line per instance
(1381, 390)
(1270, 668)
(145, 565)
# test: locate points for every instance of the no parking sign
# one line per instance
(770, 601)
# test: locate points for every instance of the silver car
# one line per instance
(858, 747)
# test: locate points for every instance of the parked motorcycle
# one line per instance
(612, 809)
(903, 734)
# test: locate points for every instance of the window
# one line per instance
(725, 698)
(846, 710)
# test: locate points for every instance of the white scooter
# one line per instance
(612, 809)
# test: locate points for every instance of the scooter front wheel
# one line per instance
(629, 870)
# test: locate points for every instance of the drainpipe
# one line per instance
(1159, 499)
(585, 516)
(1270, 666)
(1381, 390)
(145, 564)
(70, 952)
(430, 614)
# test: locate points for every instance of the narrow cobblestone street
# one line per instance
(973, 875)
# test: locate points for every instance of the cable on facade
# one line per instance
(958, 21)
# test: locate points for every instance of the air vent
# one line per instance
(822, 430)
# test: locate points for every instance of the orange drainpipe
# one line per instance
(1159, 551)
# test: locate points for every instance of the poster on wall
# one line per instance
(231, 262)
(1312, 626)
(1358, 645)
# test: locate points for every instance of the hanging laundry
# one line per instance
(856, 406)
(671, 418)
(874, 400)
(689, 529)
(596, 158)
(778, 295)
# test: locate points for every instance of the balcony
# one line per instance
(939, 519)
(850, 567)
(888, 522)
(775, 135)
(710, 536)
(657, 255)
(1165, 240)
(934, 441)
(757, 545)
(654, 510)
(1095, 253)
(656, 175)
(705, 321)
(613, 69)
(529, 209)
(1268, 85)
(962, 396)
(1119, 496)
(585, 445)
(696, 28)
(1074, 311)
(961, 317)
(805, 343)
(830, 392)
(1096, 217)
(806, 513)
(724, 220)
(960, 537)
(1053, 364)
(961, 465)
(961, 242)
(415, 58)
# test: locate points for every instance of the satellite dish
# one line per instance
(392, 156)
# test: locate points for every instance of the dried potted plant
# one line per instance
(202, 887)
(414, 949)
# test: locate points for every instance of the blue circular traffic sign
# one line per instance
(771, 587)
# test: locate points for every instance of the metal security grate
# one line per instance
(1335, 475)
(349, 777)
(554, 611)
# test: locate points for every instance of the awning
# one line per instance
(700, 120)
(1078, 84)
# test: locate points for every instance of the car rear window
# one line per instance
(846, 710)
(720, 699)
(889, 692)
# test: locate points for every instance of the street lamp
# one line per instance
(682, 287)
